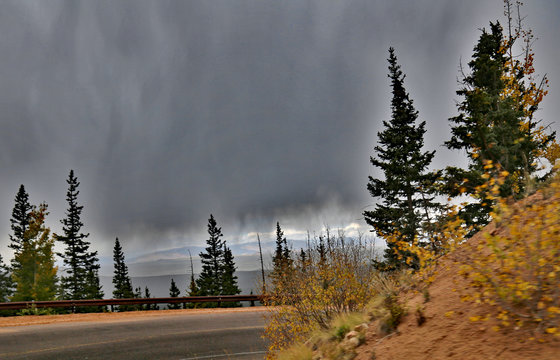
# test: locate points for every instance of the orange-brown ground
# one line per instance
(447, 335)
(116, 316)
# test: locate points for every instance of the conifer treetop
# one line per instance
(21, 216)
(405, 193)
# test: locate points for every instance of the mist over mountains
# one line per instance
(248, 281)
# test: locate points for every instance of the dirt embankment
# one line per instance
(448, 332)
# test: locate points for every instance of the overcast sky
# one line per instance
(255, 111)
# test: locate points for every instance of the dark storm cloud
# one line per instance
(252, 110)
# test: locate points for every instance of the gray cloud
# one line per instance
(255, 111)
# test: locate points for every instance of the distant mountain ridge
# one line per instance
(249, 281)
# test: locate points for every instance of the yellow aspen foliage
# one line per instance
(334, 277)
(517, 270)
(36, 277)
(522, 84)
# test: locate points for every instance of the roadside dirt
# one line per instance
(115, 316)
(448, 333)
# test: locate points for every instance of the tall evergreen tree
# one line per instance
(174, 292)
(281, 261)
(21, 216)
(278, 260)
(192, 289)
(209, 281)
(148, 295)
(229, 279)
(93, 285)
(302, 259)
(406, 192)
(35, 276)
(121, 279)
(491, 128)
(81, 265)
(6, 284)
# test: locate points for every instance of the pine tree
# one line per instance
(281, 259)
(303, 260)
(21, 216)
(492, 127)
(192, 290)
(229, 279)
(209, 281)
(282, 252)
(147, 295)
(93, 285)
(121, 279)
(6, 284)
(322, 251)
(81, 265)
(174, 292)
(406, 192)
(137, 294)
(35, 276)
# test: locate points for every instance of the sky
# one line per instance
(255, 111)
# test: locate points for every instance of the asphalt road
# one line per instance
(185, 336)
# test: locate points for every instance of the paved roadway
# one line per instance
(180, 337)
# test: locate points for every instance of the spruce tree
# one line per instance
(21, 216)
(282, 256)
(6, 283)
(148, 295)
(93, 285)
(81, 266)
(491, 128)
(192, 290)
(278, 260)
(229, 279)
(281, 261)
(209, 281)
(302, 259)
(121, 279)
(322, 251)
(174, 292)
(406, 193)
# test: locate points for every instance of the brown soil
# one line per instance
(448, 333)
(116, 316)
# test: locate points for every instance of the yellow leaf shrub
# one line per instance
(336, 277)
(518, 269)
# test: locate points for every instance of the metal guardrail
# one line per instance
(15, 305)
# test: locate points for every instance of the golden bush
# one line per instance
(517, 268)
(335, 276)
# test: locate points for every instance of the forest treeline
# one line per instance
(33, 276)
